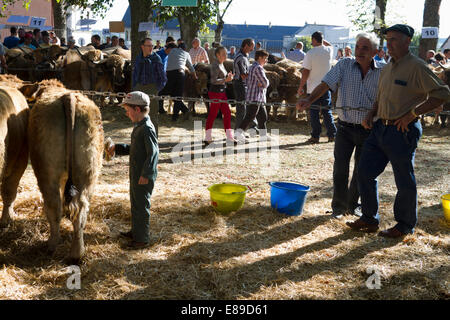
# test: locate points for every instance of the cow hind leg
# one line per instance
(10, 183)
(53, 211)
(78, 210)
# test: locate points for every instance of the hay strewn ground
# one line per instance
(255, 253)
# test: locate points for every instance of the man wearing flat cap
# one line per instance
(407, 88)
(144, 153)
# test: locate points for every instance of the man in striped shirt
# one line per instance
(257, 83)
(241, 66)
(356, 79)
(197, 53)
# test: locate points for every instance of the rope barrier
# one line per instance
(205, 100)
(231, 101)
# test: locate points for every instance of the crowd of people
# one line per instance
(374, 119)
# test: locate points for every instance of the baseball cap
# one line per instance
(136, 98)
(403, 28)
(28, 35)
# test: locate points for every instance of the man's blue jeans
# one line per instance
(387, 144)
(316, 127)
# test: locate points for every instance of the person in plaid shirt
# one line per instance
(356, 80)
(257, 84)
(197, 53)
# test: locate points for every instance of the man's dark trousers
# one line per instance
(387, 144)
(174, 88)
(325, 100)
(349, 137)
(240, 89)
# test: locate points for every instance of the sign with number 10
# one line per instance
(430, 33)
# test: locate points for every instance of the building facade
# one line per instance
(17, 15)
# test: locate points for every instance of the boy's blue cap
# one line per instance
(403, 28)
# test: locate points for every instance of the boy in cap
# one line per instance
(144, 153)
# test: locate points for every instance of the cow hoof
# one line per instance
(51, 247)
(73, 261)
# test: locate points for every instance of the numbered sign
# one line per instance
(145, 26)
(37, 22)
(430, 33)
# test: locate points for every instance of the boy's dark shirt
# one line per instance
(143, 151)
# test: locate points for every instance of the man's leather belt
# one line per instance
(350, 125)
(387, 122)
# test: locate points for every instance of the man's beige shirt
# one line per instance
(405, 84)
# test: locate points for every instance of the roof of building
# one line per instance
(242, 31)
(446, 44)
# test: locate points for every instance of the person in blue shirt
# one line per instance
(149, 75)
(164, 53)
(380, 56)
(13, 40)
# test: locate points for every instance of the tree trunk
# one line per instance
(218, 32)
(189, 28)
(59, 18)
(140, 11)
(430, 19)
(380, 23)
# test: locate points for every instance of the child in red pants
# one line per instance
(219, 78)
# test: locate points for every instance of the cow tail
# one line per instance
(71, 193)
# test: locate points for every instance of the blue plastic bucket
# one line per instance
(287, 197)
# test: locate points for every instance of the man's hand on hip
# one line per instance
(367, 123)
(403, 122)
(143, 181)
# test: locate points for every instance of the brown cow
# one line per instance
(13, 143)
(78, 68)
(66, 142)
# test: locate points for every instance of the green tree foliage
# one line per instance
(98, 7)
(306, 43)
(368, 15)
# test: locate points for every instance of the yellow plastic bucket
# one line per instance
(227, 197)
(446, 206)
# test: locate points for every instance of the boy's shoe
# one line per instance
(313, 140)
(134, 245)
(128, 235)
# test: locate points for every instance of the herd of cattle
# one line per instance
(62, 133)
